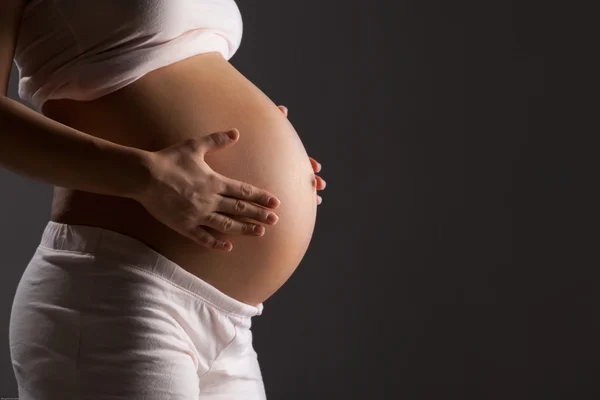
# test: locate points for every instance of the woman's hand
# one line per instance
(185, 194)
(319, 182)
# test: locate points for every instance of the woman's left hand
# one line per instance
(319, 182)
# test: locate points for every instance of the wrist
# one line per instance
(137, 174)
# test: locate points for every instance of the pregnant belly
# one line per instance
(192, 98)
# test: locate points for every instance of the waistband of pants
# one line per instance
(91, 239)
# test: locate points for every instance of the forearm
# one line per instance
(40, 148)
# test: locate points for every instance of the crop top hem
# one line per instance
(90, 79)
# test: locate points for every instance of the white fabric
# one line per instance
(98, 315)
(83, 50)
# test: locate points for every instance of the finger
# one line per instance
(201, 235)
(320, 183)
(237, 207)
(218, 140)
(225, 224)
(245, 191)
(284, 110)
(315, 164)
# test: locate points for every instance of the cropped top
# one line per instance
(83, 50)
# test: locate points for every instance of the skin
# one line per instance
(320, 182)
(258, 267)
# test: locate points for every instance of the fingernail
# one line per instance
(319, 199)
(232, 133)
(273, 202)
(324, 183)
(272, 219)
(319, 167)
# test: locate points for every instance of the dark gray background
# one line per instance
(456, 251)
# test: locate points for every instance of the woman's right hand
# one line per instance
(186, 195)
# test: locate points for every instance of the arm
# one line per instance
(40, 148)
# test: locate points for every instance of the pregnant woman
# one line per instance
(183, 199)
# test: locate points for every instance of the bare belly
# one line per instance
(192, 98)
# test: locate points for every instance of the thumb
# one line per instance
(219, 140)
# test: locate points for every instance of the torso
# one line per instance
(195, 97)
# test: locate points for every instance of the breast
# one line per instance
(193, 98)
(108, 45)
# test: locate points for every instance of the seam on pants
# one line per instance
(186, 291)
(66, 251)
(79, 342)
(86, 301)
(191, 348)
(221, 352)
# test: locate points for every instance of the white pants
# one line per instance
(99, 315)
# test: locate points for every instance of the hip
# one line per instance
(97, 313)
